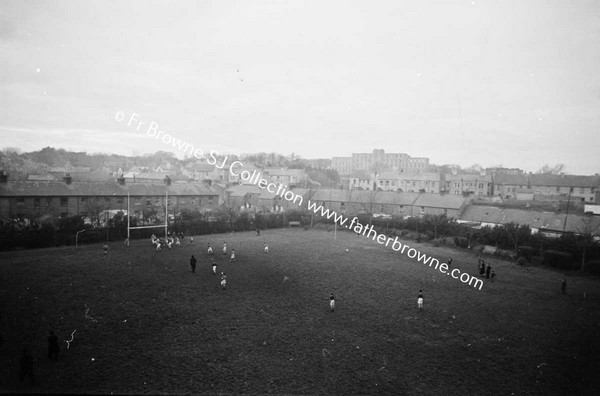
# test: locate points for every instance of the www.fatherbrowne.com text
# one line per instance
(255, 178)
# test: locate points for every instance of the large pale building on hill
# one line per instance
(379, 161)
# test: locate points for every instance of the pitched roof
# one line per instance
(469, 177)
(242, 190)
(76, 189)
(541, 220)
(517, 180)
(388, 176)
(428, 176)
(445, 201)
(565, 180)
(376, 197)
(148, 176)
(100, 174)
(332, 195)
(47, 177)
(285, 172)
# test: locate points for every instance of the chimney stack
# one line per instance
(67, 178)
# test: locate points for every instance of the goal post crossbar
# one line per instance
(152, 226)
(166, 225)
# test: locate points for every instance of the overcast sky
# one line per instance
(513, 83)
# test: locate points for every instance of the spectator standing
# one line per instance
(332, 302)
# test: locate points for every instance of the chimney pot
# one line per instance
(67, 178)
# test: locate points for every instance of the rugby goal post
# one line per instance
(129, 228)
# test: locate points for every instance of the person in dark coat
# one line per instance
(193, 263)
(493, 275)
(487, 271)
(449, 262)
(482, 268)
(53, 348)
(257, 232)
(564, 286)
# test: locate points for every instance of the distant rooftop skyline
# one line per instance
(512, 83)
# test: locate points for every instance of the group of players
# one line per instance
(167, 241)
(211, 254)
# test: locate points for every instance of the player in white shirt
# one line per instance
(223, 280)
(224, 249)
(210, 251)
(232, 259)
(266, 247)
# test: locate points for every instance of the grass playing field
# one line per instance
(154, 327)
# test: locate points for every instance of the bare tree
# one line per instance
(94, 208)
(551, 170)
(436, 221)
(370, 199)
(584, 239)
(517, 233)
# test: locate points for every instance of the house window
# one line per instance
(83, 214)
(582, 190)
(36, 203)
(199, 202)
(422, 209)
(120, 200)
(457, 184)
(137, 201)
(64, 202)
(210, 200)
(480, 185)
(446, 211)
(148, 202)
(20, 201)
(557, 189)
(84, 200)
(48, 202)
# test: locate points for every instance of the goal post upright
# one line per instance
(166, 209)
(128, 214)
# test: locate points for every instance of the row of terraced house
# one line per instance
(506, 186)
(33, 199)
